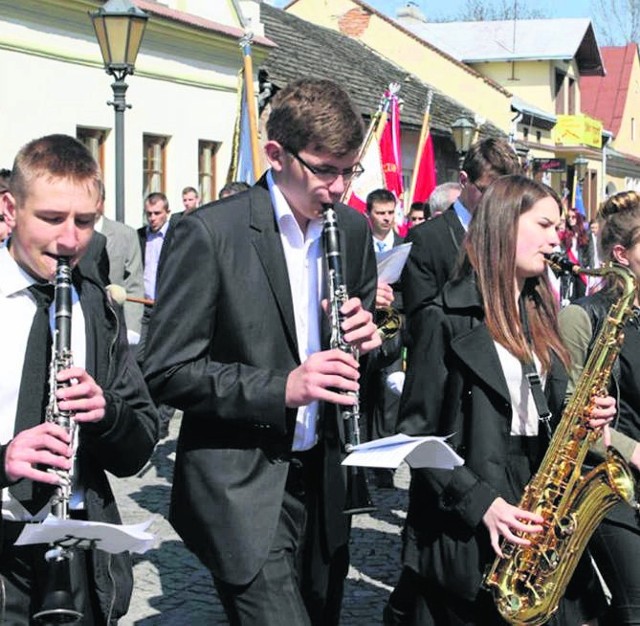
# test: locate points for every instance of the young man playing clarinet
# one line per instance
(258, 491)
(55, 189)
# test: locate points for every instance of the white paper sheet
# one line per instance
(418, 452)
(113, 538)
(391, 262)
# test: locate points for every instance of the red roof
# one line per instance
(604, 97)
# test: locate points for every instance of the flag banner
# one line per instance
(391, 155)
(241, 167)
(372, 177)
(245, 166)
(578, 201)
(426, 172)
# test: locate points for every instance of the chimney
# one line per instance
(410, 15)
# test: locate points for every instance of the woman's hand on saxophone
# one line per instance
(47, 444)
(504, 520)
(83, 397)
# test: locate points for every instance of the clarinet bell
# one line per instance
(57, 603)
(358, 499)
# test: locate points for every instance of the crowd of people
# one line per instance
(222, 314)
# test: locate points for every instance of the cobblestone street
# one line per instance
(172, 588)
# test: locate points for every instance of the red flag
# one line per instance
(426, 174)
(391, 156)
(390, 151)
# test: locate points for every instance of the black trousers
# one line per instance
(615, 549)
(25, 578)
(300, 584)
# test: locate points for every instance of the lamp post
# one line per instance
(581, 164)
(462, 130)
(119, 27)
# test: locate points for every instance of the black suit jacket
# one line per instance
(433, 256)
(225, 364)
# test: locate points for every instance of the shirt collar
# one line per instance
(463, 213)
(388, 240)
(160, 233)
(13, 278)
(283, 213)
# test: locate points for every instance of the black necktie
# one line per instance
(34, 391)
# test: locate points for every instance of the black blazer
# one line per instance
(455, 385)
(433, 256)
(225, 364)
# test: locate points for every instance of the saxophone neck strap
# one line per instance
(531, 373)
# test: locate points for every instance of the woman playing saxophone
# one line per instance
(466, 378)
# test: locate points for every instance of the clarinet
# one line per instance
(358, 499)
(57, 603)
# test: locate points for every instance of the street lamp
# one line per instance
(119, 27)
(580, 165)
(462, 130)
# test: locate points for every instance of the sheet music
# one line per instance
(113, 538)
(391, 262)
(433, 452)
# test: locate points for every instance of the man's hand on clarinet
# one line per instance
(44, 445)
(322, 377)
(359, 329)
(83, 397)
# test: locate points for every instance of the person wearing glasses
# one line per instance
(5, 230)
(436, 243)
(258, 490)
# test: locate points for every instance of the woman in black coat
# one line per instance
(465, 378)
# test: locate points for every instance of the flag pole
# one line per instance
(245, 44)
(424, 132)
(374, 130)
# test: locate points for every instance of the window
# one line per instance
(538, 136)
(559, 92)
(154, 163)
(572, 97)
(93, 139)
(207, 170)
(525, 133)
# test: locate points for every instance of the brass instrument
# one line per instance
(529, 582)
(57, 604)
(358, 499)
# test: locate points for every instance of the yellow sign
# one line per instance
(574, 130)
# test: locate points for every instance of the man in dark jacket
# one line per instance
(436, 243)
(258, 491)
(55, 192)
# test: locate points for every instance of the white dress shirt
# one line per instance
(383, 245)
(17, 309)
(524, 414)
(303, 255)
(152, 250)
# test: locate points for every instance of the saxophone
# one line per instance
(529, 581)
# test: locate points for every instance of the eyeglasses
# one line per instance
(480, 188)
(329, 174)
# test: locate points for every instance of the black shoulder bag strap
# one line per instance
(531, 374)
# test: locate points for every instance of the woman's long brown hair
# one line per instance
(491, 252)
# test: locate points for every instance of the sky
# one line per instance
(439, 9)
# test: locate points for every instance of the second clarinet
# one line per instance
(358, 498)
